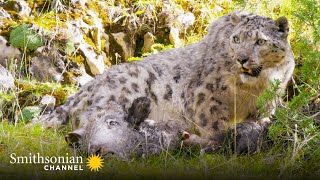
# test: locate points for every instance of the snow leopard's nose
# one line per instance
(102, 150)
(242, 60)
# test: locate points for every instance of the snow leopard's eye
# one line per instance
(236, 39)
(112, 122)
(261, 42)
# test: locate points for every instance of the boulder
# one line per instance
(89, 37)
(148, 42)
(93, 59)
(186, 20)
(6, 79)
(47, 103)
(83, 79)
(126, 44)
(9, 55)
(4, 13)
(49, 73)
(6, 83)
(21, 7)
(52, 60)
(174, 37)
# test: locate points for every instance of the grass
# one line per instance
(24, 139)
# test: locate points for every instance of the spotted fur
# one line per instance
(206, 85)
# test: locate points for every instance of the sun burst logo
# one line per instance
(95, 162)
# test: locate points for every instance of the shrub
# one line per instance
(23, 36)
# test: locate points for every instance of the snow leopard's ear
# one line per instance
(74, 138)
(283, 26)
(235, 19)
(139, 111)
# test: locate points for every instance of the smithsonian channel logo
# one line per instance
(60, 163)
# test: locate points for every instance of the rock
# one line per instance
(115, 13)
(126, 44)
(93, 59)
(74, 29)
(52, 60)
(9, 55)
(96, 28)
(6, 79)
(4, 14)
(5, 20)
(83, 79)
(217, 9)
(174, 38)
(186, 20)
(106, 44)
(90, 25)
(148, 41)
(76, 74)
(177, 21)
(6, 83)
(60, 5)
(47, 103)
(169, 13)
(19, 6)
(93, 28)
(81, 2)
(50, 73)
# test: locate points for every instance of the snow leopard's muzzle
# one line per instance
(254, 72)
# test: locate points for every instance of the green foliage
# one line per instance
(34, 88)
(160, 47)
(309, 73)
(265, 100)
(66, 47)
(28, 113)
(134, 59)
(295, 134)
(69, 48)
(6, 96)
(23, 139)
(23, 36)
(308, 15)
(300, 100)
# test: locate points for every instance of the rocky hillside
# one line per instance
(45, 44)
(78, 39)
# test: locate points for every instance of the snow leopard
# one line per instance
(210, 85)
